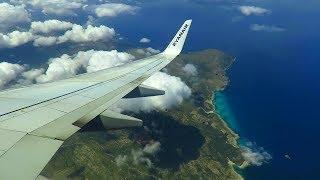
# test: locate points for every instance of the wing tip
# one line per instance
(177, 43)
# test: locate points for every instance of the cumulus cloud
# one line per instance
(67, 66)
(32, 74)
(145, 40)
(176, 91)
(255, 155)
(90, 34)
(142, 156)
(190, 69)
(76, 34)
(29, 77)
(12, 15)
(45, 41)
(50, 26)
(15, 38)
(148, 51)
(62, 67)
(56, 7)
(253, 10)
(121, 160)
(266, 28)
(114, 9)
(106, 59)
(152, 148)
(9, 72)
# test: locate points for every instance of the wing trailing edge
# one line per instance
(114, 120)
(144, 91)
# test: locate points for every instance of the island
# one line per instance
(190, 141)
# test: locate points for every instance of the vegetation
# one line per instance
(195, 143)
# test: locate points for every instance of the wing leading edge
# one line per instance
(35, 120)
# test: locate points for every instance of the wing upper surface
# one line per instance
(35, 120)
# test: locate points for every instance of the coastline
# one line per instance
(195, 140)
(225, 62)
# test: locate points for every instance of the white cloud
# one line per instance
(14, 39)
(9, 72)
(145, 40)
(152, 148)
(176, 91)
(62, 67)
(190, 69)
(33, 73)
(57, 7)
(90, 34)
(148, 51)
(67, 66)
(152, 51)
(121, 160)
(253, 10)
(77, 34)
(114, 9)
(141, 156)
(11, 15)
(45, 41)
(266, 28)
(50, 26)
(29, 77)
(106, 59)
(255, 155)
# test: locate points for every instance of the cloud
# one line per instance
(12, 15)
(76, 34)
(190, 69)
(176, 91)
(9, 72)
(148, 51)
(57, 7)
(114, 9)
(121, 160)
(90, 61)
(253, 10)
(90, 34)
(142, 156)
(67, 66)
(45, 41)
(15, 38)
(266, 28)
(62, 67)
(255, 155)
(145, 40)
(29, 77)
(106, 59)
(50, 26)
(32, 74)
(139, 158)
(152, 148)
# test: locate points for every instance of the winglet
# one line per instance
(176, 45)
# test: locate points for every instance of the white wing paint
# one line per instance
(35, 120)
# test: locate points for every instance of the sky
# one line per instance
(45, 41)
(48, 40)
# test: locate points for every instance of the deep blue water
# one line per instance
(274, 94)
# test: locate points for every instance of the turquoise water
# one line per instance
(220, 101)
(274, 94)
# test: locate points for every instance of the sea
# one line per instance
(273, 98)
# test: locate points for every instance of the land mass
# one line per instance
(190, 141)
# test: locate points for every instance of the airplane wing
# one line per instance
(35, 120)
